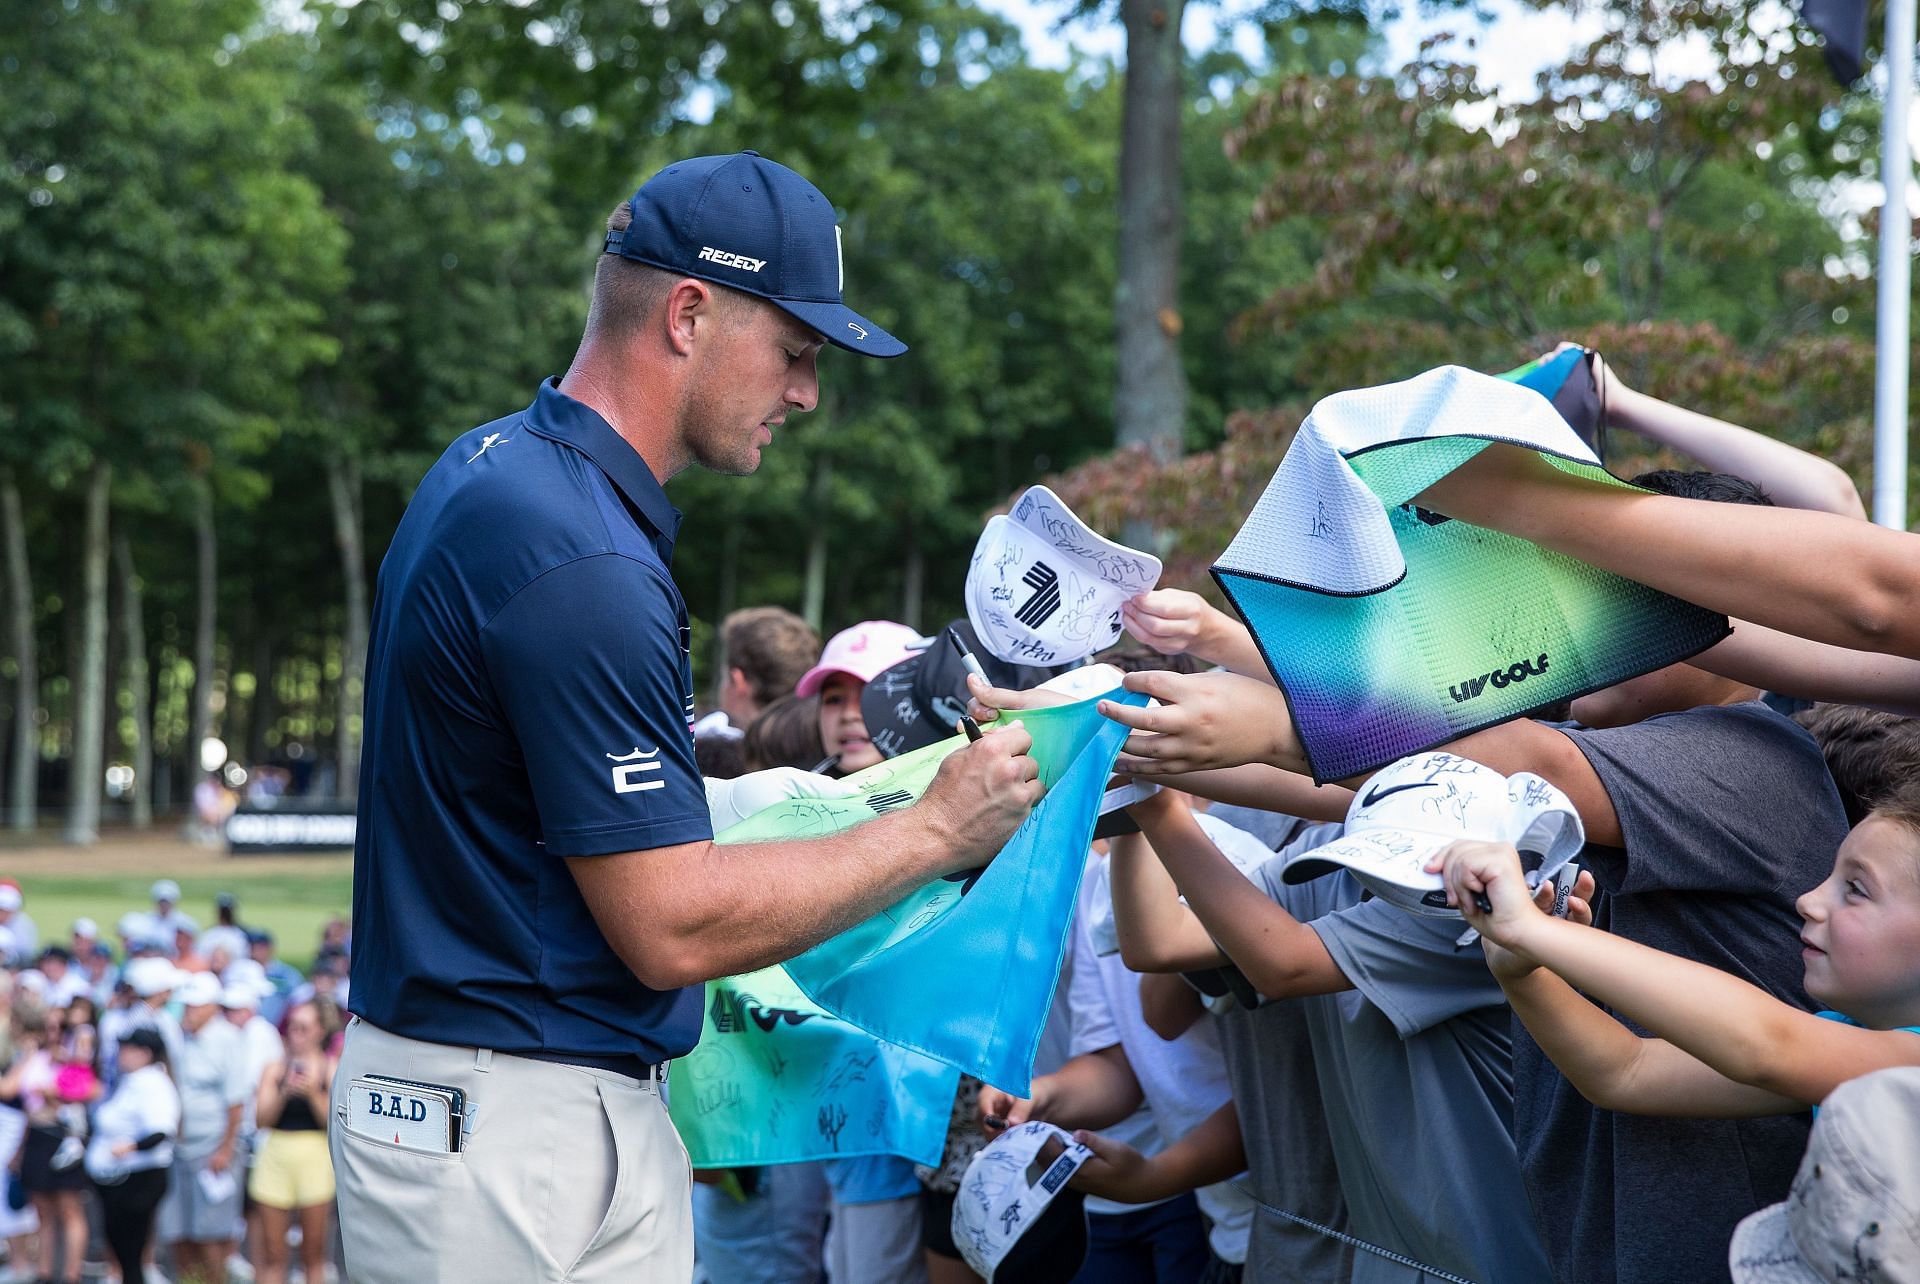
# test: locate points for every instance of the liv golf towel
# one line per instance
(1392, 629)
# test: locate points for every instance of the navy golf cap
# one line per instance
(752, 225)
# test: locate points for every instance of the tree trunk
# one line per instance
(201, 723)
(90, 672)
(343, 483)
(1150, 394)
(133, 635)
(913, 589)
(204, 624)
(260, 710)
(23, 791)
(814, 595)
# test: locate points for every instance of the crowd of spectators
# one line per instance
(164, 1097)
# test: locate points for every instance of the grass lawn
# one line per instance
(290, 896)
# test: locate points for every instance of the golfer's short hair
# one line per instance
(772, 646)
(626, 294)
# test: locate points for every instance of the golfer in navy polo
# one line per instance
(537, 895)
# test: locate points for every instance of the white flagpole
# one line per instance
(1896, 266)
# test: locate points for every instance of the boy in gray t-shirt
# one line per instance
(1409, 1034)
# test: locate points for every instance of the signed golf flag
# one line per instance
(1393, 629)
(853, 1047)
(963, 968)
(777, 1079)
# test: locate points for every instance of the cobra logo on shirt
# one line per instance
(629, 767)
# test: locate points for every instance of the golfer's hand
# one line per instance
(981, 794)
(731, 801)
(1117, 1171)
(1203, 721)
(1175, 621)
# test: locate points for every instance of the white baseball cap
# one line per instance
(239, 995)
(198, 989)
(86, 927)
(1014, 1218)
(1419, 805)
(151, 976)
(165, 890)
(1044, 588)
(1853, 1212)
(10, 898)
(865, 651)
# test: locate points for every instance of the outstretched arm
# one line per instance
(1737, 1030)
(1157, 933)
(1282, 956)
(1176, 621)
(1213, 1151)
(1776, 661)
(1775, 566)
(1792, 477)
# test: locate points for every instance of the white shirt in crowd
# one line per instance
(145, 1102)
(1184, 1080)
(19, 939)
(210, 1068)
(263, 1047)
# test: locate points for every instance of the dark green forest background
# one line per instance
(258, 264)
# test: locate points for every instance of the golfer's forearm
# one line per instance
(707, 910)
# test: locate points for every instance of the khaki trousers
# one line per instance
(567, 1174)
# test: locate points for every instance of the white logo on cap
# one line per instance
(625, 776)
(840, 265)
(856, 329)
(726, 258)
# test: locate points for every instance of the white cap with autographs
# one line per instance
(1045, 588)
(1406, 813)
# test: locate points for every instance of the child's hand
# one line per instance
(1001, 1110)
(1171, 621)
(1507, 965)
(1117, 1171)
(1474, 871)
(987, 702)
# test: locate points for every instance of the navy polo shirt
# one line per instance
(529, 697)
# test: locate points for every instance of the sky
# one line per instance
(1512, 49)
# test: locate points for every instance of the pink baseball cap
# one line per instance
(864, 651)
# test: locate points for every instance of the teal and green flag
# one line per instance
(854, 1046)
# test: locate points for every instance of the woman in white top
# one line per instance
(132, 1147)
